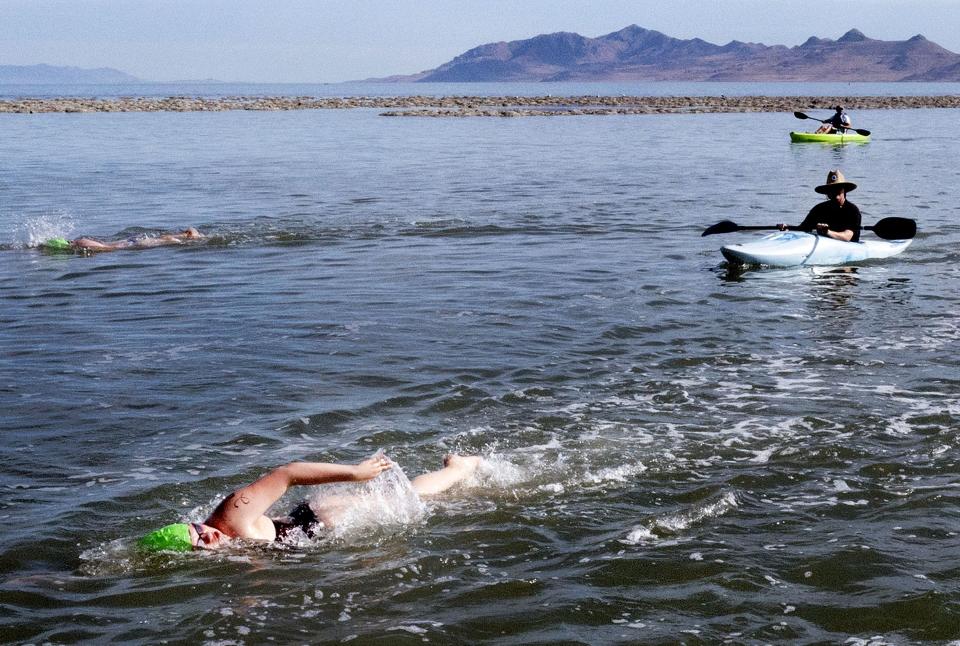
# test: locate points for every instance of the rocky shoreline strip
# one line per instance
(481, 106)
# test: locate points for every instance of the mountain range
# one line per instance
(45, 74)
(638, 54)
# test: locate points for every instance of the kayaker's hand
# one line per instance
(782, 226)
(822, 228)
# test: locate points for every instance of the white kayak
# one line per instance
(794, 249)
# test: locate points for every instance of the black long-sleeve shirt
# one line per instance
(836, 217)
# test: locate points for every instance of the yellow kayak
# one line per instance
(829, 137)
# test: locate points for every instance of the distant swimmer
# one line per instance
(242, 514)
(133, 242)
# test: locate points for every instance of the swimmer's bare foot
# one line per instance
(465, 462)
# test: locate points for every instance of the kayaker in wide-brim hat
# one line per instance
(836, 218)
(835, 182)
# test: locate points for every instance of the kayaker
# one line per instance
(242, 513)
(839, 122)
(838, 217)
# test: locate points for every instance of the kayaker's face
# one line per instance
(839, 196)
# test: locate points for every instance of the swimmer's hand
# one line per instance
(371, 467)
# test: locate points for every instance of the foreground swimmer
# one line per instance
(242, 513)
(133, 242)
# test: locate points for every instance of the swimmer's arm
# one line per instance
(314, 473)
(239, 511)
(93, 245)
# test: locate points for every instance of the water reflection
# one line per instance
(834, 286)
(731, 272)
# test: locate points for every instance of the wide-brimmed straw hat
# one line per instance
(835, 180)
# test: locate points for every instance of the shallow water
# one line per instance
(677, 451)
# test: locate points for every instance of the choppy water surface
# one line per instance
(676, 451)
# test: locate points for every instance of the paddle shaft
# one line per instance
(790, 227)
(892, 228)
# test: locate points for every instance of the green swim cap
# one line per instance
(174, 538)
(57, 243)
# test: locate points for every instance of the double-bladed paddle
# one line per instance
(887, 228)
(859, 131)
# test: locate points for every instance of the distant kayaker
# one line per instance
(839, 122)
(838, 217)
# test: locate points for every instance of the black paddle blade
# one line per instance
(895, 228)
(861, 131)
(801, 115)
(725, 226)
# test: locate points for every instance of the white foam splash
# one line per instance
(553, 487)
(387, 501)
(762, 457)
(498, 472)
(33, 231)
(680, 521)
(622, 473)
(841, 486)
(415, 629)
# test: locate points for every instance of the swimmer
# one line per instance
(242, 514)
(134, 242)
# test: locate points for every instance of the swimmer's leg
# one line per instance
(456, 468)
(330, 510)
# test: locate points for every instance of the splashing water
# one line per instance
(34, 231)
(384, 503)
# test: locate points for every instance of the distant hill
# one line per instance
(634, 53)
(50, 74)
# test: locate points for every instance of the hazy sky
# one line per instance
(337, 40)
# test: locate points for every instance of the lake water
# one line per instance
(373, 88)
(676, 451)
